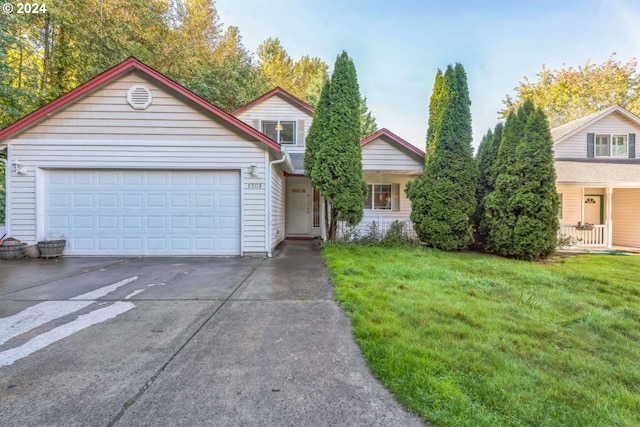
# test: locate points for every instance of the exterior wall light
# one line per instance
(18, 167)
(253, 170)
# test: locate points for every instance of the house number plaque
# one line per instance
(252, 186)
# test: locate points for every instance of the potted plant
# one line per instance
(11, 248)
(586, 226)
(52, 248)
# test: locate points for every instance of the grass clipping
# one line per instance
(476, 340)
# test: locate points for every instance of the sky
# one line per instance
(398, 45)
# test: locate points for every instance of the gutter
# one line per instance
(285, 156)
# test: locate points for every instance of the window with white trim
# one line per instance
(560, 206)
(282, 131)
(611, 145)
(379, 197)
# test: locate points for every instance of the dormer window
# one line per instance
(282, 131)
(612, 145)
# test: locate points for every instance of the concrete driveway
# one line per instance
(182, 341)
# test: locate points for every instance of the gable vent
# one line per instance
(139, 97)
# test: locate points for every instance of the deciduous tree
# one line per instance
(276, 64)
(570, 93)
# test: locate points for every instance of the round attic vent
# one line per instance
(139, 97)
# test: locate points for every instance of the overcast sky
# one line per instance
(398, 45)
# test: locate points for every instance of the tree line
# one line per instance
(45, 55)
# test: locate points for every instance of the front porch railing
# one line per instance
(381, 227)
(596, 236)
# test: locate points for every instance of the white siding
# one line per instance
(576, 145)
(277, 206)
(276, 108)
(101, 131)
(571, 204)
(381, 155)
(624, 215)
(405, 203)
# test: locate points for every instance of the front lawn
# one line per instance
(477, 340)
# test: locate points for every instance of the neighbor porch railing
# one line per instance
(596, 236)
(382, 225)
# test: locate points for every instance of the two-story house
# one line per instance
(132, 163)
(598, 178)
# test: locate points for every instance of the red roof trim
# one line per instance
(395, 138)
(129, 64)
(273, 92)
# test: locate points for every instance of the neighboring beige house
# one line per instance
(598, 178)
(132, 163)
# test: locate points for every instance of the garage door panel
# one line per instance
(108, 178)
(144, 212)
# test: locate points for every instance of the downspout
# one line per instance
(6, 194)
(268, 201)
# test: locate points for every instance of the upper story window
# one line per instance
(281, 131)
(611, 145)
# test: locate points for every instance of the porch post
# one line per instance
(582, 205)
(609, 222)
(323, 231)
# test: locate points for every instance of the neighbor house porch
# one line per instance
(386, 203)
(600, 216)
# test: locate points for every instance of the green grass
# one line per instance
(477, 340)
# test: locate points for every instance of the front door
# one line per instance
(299, 198)
(593, 209)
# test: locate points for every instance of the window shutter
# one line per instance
(395, 189)
(591, 145)
(256, 124)
(300, 134)
(632, 145)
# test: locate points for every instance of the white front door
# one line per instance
(593, 209)
(299, 197)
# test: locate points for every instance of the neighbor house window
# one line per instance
(602, 146)
(619, 146)
(560, 206)
(280, 131)
(379, 197)
(612, 145)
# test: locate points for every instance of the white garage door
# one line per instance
(107, 212)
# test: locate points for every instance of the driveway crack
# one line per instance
(130, 402)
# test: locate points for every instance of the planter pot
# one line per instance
(12, 251)
(31, 251)
(51, 248)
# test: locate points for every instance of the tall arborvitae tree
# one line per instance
(521, 213)
(535, 201)
(318, 127)
(434, 112)
(335, 164)
(443, 200)
(496, 219)
(486, 162)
